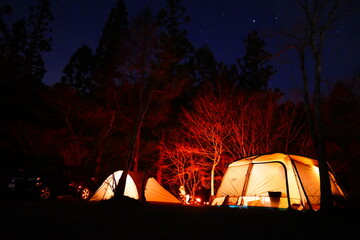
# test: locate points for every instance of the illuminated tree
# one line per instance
(183, 167)
(224, 125)
(260, 124)
(208, 125)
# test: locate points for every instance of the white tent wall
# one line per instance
(153, 191)
(106, 190)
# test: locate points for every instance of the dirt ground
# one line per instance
(127, 219)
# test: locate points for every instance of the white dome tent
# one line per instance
(137, 186)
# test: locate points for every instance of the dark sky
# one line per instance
(222, 25)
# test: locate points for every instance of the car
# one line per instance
(44, 185)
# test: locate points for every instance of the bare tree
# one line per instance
(319, 15)
(221, 128)
(208, 125)
(184, 168)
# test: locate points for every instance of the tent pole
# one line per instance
(247, 176)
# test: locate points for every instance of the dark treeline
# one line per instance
(148, 100)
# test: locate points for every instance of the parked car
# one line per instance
(21, 183)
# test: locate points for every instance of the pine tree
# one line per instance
(37, 41)
(174, 43)
(255, 72)
(203, 65)
(111, 50)
(78, 73)
(12, 47)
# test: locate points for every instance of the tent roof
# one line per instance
(275, 157)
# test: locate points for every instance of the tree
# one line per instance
(341, 108)
(225, 125)
(79, 72)
(319, 15)
(183, 167)
(38, 41)
(86, 128)
(255, 72)
(260, 124)
(22, 45)
(204, 68)
(12, 46)
(208, 126)
(173, 40)
(111, 52)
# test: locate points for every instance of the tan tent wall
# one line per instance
(250, 181)
(154, 192)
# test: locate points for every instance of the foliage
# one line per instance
(22, 46)
(79, 72)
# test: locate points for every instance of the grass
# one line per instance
(130, 219)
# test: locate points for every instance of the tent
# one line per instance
(138, 186)
(274, 180)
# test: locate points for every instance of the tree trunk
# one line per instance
(159, 171)
(137, 151)
(325, 187)
(213, 180)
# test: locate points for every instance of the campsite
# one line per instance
(146, 132)
(148, 210)
(131, 219)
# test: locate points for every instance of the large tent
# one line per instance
(138, 186)
(274, 180)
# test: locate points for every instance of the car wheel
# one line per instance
(85, 193)
(45, 193)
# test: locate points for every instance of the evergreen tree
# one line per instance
(203, 65)
(255, 72)
(111, 50)
(22, 46)
(38, 41)
(12, 47)
(78, 73)
(174, 43)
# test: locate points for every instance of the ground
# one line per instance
(127, 219)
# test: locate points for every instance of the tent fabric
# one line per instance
(137, 185)
(255, 181)
(107, 188)
(154, 192)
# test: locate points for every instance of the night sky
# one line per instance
(222, 25)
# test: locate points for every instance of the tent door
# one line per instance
(267, 179)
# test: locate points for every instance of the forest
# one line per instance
(147, 100)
